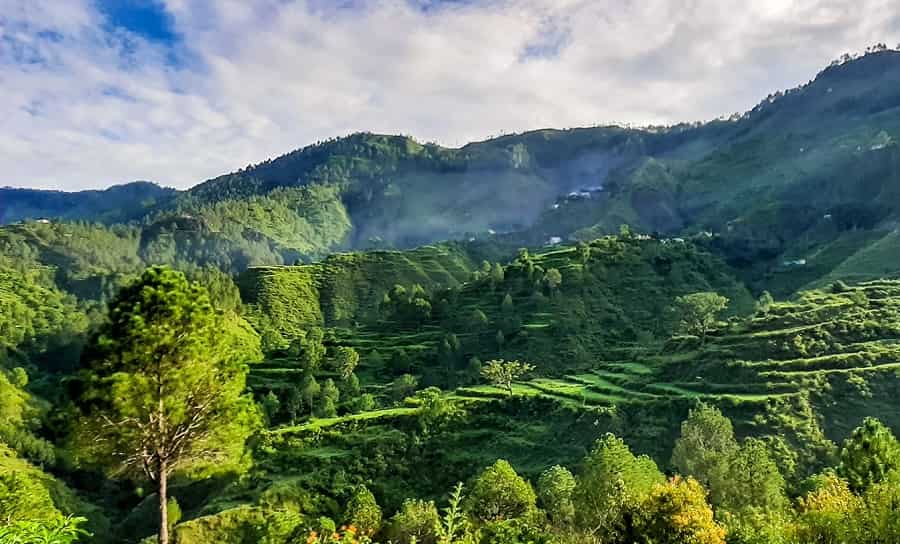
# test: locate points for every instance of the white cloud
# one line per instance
(81, 106)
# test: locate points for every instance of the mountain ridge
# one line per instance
(762, 183)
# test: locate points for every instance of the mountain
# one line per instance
(117, 204)
(809, 175)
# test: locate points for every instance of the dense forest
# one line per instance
(683, 334)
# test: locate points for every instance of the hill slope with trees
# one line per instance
(679, 334)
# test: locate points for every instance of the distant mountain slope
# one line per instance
(117, 204)
(801, 171)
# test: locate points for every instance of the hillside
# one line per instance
(609, 292)
(597, 319)
(117, 204)
(798, 374)
(386, 319)
(345, 289)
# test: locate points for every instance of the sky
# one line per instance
(99, 92)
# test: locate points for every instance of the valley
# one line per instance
(705, 314)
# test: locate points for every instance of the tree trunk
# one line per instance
(163, 504)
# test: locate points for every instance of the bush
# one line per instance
(555, 488)
(417, 521)
(363, 511)
(499, 493)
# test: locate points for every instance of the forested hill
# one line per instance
(119, 203)
(809, 175)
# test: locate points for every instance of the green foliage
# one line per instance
(284, 305)
(556, 487)
(504, 373)
(499, 493)
(37, 320)
(20, 415)
(363, 511)
(753, 481)
(174, 513)
(350, 387)
(35, 507)
(164, 390)
(310, 390)
(18, 377)
(364, 403)
(435, 410)
(454, 526)
(345, 361)
(698, 312)
(512, 531)
(66, 530)
(869, 455)
(757, 526)
(328, 398)
(309, 350)
(795, 374)
(877, 520)
(497, 274)
(553, 278)
(271, 405)
(417, 521)
(826, 513)
(839, 287)
(500, 339)
(764, 303)
(223, 292)
(706, 448)
(478, 320)
(24, 498)
(119, 203)
(403, 387)
(611, 483)
(164, 352)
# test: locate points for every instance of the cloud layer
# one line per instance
(84, 103)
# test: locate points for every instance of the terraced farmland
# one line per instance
(800, 374)
(598, 344)
(840, 350)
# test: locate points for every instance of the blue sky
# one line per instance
(97, 92)
(147, 18)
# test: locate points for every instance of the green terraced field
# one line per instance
(321, 423)
(808, 348)
(818, 347)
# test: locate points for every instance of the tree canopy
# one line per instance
(163, 390)
(869, 455)
(504, 373)
(698, 312)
